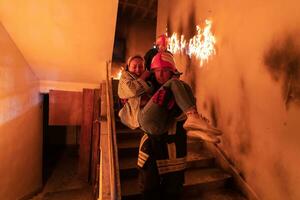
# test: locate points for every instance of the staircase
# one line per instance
(203, 178)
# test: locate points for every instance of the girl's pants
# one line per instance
(157, 114)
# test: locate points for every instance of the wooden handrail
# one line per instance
(110, 188)
(115, 186)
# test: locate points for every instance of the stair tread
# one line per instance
(129, 162)
(200, 176)
(128, 130)
(134, 142)
(130, 187)
(75, 194)
(224, 194)
(191, 156)
(220, 194)
(193, 177)
(129, 143)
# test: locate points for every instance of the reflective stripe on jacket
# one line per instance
(169, 150)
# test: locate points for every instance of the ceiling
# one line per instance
(65, 41)
(138, 10)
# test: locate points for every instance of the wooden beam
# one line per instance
(104, 179)
(95, 138)
(86, 134)
(110, 187)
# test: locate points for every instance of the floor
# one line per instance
(62, 182)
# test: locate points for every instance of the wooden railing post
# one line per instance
(109, 187)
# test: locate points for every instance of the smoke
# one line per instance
(282, 60)
(283, 179)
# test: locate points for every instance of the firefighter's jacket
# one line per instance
(169, 150)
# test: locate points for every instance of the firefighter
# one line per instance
(161, 44)
(165, 118)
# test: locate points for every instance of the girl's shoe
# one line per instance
(196, 122)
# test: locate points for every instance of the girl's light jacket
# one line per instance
(131, 88)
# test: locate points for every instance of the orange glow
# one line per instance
(201, 45)
(175, 45)
(117, 76)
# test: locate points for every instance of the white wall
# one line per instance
(66, 43)
(251, 88)
(20, 124)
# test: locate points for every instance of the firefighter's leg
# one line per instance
(172, 185)
(149, 181)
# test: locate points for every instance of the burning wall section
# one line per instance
(250, 87)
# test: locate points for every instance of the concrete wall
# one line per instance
(20, 124)
(66, 43)
(251, 88)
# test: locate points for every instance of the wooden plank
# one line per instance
(109, 187)
(115, 180)
(65, 108)
(113, 150)
(86, 134)
(95, 135)
(104, 186)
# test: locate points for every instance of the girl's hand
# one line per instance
(145, 75)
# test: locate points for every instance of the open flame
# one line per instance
(201, 45)
(175, 45)
(118, 75)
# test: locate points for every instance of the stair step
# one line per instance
(199, 159)
(119, 124)
(204, 179)
(128, 130)
(134, 143)
(127, 133)
(76, 194)
(220, 194)
(130, 187)
(196, 180)
(128, 143)
(128, 165)
(130, 146)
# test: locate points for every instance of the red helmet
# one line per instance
(162, 41)
(163, 60)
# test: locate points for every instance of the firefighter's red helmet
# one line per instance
(163, 60)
